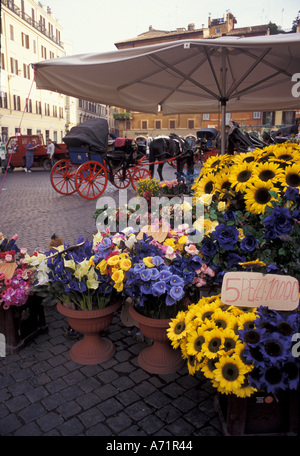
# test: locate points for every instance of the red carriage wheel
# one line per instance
(63, 177)
(91, 180)
(139, 174)
(119, 182)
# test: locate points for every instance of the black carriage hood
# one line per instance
(93, 132)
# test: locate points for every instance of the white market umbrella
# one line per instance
(186, 76)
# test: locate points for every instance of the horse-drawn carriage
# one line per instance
(208, 143)
(91, 165)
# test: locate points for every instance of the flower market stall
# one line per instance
(21, 314)
(251, 222)
(177, 282)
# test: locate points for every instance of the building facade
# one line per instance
(30, 33)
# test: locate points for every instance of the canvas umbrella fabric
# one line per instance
(186, 76)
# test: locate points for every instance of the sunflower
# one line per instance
(268, 171)
(208, 367)
(192, 364)
(241, 351)
(240, 176)
(195, 340)
(291, 177)
(285, 154)
(230, 373)
(206, 311)
(222, 183)
(258, 196)
(206, 184)
(230, 341)
(244, 157)
(213, 163)
(221, 319)
(245, 389)
(214, 343)
(178, 328)
(247, 320)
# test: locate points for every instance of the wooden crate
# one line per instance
(260, 414)
(19, 325)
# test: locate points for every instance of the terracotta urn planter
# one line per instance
(160, 357)
(93, 348)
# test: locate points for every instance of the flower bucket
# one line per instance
(160, 357)
(260, 414)
(93, 348)
(21, 324)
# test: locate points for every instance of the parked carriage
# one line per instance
(90, 165)
(208, 142)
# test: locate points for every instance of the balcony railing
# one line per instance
(15, 9)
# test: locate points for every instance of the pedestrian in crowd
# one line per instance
(50, 151)
(30, 148)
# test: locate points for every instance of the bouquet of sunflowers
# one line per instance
(240, 351)
(251, 210)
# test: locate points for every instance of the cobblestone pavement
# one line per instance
(43, 392)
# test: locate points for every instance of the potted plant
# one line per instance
(161, 279)
(85, 281)
(21, 315)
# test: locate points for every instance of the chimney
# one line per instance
(48, 10)
(150, 28)
(191, 27)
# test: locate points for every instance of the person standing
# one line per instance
(30, 148)
(50, 151)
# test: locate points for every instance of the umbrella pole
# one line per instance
(223, 124)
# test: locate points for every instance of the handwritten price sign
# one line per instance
(253, 289)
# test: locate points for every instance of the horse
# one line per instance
(163, 148)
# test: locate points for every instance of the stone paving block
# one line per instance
(9, 424)
(90, 417)
(37, 394)
(32, 412)
(151, 424)
(127, 397)
(69, 409)
(168, 413)
(106, 391)
(173, 390)
(157, 399)
(110, 406)
(123, 383)
(99, 430)
(72, 427)
(17, 403)
(180, 428)
(53, 401)
(87, 400)
(138, 410)
(50, 421)
(29, 430)
(119, 423)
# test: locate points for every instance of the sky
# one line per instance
(95, 25)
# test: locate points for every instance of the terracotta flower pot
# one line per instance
(159, 358)
(92, 349)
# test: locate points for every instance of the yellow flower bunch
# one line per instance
(148, 185)
(257, 176)
(116, 266)
(207, 334)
